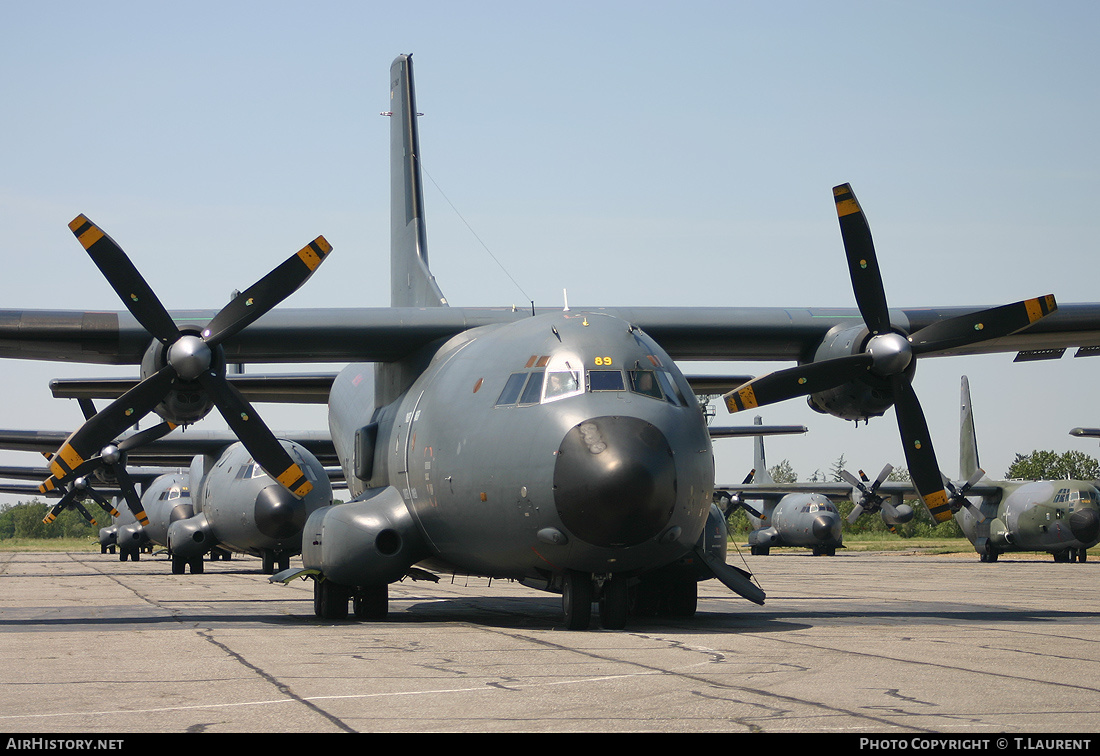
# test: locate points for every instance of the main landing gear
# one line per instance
(672, 593)
(330, 600)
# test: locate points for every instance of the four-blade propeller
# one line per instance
(190, 358)
(888, 353)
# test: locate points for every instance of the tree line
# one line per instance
(24, 520)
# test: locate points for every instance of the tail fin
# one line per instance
(411, 282)
(758, 463)
(968, 440)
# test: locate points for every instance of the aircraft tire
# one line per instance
(330, 601)
(1082, 555)
(371, 602)
(760, 550)
(178, 565)
(268, 563)
(683, 596)
(645, 598)
(614, 603)
(196, 565)
(576, 600)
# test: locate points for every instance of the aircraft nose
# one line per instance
(615, 481)
(1085, 525)
(279, 514)
(826, 528)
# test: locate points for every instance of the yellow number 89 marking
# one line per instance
(603, 360)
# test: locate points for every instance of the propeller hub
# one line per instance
(189, 356)
(890, 353)
(110, 454)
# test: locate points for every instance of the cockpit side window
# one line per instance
(512, 388)
(532, 392)
(644, 382)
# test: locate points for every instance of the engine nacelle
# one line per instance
(190, 538)
(861, 399)
(371, 540)
(187, 401)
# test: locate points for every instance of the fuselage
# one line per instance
(566, 441)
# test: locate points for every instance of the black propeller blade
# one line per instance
(78, 490)
(958, 498)
(870, 500)
(889, 352)
(735, 500)
(190, 358)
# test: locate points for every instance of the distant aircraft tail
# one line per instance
(411, 281)
(968, 440)
(758, 463)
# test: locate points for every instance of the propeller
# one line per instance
(889, 352)
(735, 499)
(958, 499)
(870, 500)
(78, 490)
(191, 357)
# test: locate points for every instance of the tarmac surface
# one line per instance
(859, 642)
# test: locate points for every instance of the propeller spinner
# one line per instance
(189, 358)
(889, 353)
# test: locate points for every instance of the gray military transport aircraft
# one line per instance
(800, 514)
(561, 449)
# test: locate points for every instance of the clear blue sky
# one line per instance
(632, 153)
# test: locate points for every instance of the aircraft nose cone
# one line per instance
(826, 528)
(615, 481)
(278, 513)
(1085, 525)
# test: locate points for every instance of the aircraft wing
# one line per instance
(389, 333)
(175, 450)
(754, 430)
(294, 388)
(834, 490)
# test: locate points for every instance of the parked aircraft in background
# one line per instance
(221, 502)
(804, 514)
(1061, 517)
(562, 449)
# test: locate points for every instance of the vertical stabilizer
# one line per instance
(968, 440)
(758, 463)
(411, 282)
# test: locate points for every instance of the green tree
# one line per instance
(24, 520)
(1049, 465)
(838, 467)
(783, 473)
